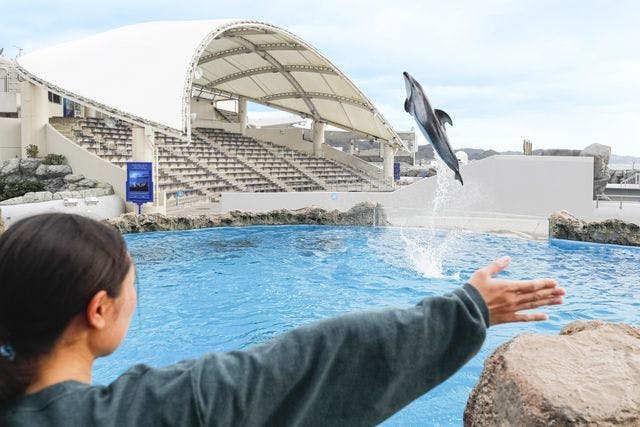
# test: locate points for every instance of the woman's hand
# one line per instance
(505, 298)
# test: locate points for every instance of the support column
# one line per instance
(318, 138)
(34, 114)
(242, 114)
(143, 149)
(388, 154)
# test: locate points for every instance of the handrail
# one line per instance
(633, 179)
(612, 198)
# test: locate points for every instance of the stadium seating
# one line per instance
(216, 161)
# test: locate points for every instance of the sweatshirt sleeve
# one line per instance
(356, 369)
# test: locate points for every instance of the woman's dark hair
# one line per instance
(51, 265)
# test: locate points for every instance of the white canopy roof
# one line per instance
(148, 73)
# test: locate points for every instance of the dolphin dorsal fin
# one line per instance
(443, 117)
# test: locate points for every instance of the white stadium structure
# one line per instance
(159, 92)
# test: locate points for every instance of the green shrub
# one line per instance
(32, 151)
(54, 159)
(9, 190)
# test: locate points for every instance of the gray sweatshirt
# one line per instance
(352, 370)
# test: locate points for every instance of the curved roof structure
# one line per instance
(148, 73)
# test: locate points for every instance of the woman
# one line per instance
(67, 295)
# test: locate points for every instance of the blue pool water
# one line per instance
(229, 288)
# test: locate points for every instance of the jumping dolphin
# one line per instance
(431, 123)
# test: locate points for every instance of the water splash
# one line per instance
(428, 256)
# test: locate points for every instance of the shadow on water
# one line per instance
(319, 246)
(233, 245)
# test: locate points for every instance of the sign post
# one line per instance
(139, 183)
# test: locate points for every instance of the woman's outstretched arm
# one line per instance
(359, 369)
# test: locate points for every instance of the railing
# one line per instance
(616, 198)
(631, 180)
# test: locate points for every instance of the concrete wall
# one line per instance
(86, 163)
(520, 185)
(107, 207)
(291, 137)
(515, 193)
(8, 101)
(204, 113)
(9, 138)
(56, 110)
(264, 202)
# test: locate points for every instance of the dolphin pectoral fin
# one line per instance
(407, 105)
(443, 117)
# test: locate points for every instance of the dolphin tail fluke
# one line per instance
(459, 177)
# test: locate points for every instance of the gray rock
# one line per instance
(72, 179)
(42, 171)
(29, 198)
(367, 214)
(29, 166)
(601, 154)
(86, 183)
(103, 185)
(563, 225)
(14, 201)
(59, 171)
(55, 184)
(72, 187)
(93, 192)
(586, 376)
(40, 196)
(10, 167)
(62, 195)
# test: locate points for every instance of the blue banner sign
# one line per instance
(139, 182)
(396, 171)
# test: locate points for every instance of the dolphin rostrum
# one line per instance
(431, 123)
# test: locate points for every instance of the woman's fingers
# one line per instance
(544, 293)
(533, 317)
(526, 286)
(553, 300)
(498, 265)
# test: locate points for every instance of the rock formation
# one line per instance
(563, 225)
(587, 375)
(58, 180)
(361, 214)
(601, 154)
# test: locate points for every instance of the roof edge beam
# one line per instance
(273, 69)
(241, 50)
(320, 95)
(247, 31)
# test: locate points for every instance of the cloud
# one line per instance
(560, 73)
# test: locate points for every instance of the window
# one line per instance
(55, 98)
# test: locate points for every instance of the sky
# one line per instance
(563, 74)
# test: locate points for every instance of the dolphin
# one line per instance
(431, 123)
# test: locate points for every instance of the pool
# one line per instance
(229, 288)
